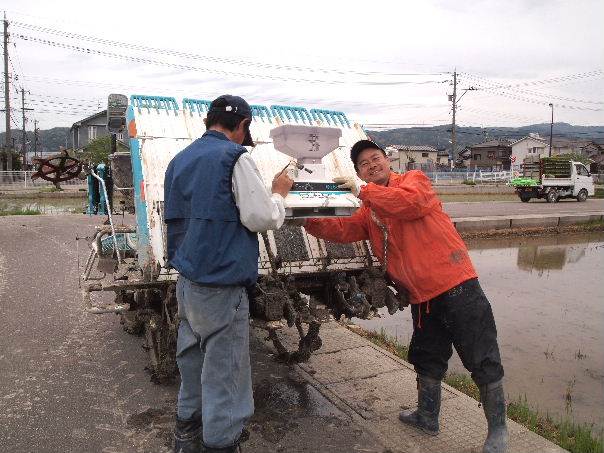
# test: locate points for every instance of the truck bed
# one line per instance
(557, 182)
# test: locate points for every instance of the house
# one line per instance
(532, 144)
(443, 159)
(463, 158)
(492, 155)
(565, 146)
(91, 128)
(412, 157)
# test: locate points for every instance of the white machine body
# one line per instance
(314, 193)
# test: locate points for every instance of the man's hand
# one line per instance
(348, 182)
(282, 183)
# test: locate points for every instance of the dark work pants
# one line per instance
(461, 317)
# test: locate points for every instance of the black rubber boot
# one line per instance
(188, 433)
(425, 417)
(493, 403)
(236, 448)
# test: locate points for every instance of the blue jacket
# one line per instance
(207, 243)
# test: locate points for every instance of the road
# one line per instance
(76, 382)
(500, 208)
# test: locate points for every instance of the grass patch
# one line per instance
(468, 182)
(50, 189)
(574, 437)
(464, 384)
(478, 197)
(599, 192)
(19, 211)
(383, 340)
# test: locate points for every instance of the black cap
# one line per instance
(360, 146)
(237, 106)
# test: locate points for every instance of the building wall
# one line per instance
(493, 158)
(401, 160)
(83, 134)
(526, 147)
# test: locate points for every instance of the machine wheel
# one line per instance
(160, 343)
(525, 198)
(582, 195)
(160, 333)
(552, 196)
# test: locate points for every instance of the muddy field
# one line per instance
(546, 294)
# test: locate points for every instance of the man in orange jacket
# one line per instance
(427, 258)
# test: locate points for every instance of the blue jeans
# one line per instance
(213, 358)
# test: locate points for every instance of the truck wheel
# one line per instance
(525, 198)
(582, 195)
(552, 196)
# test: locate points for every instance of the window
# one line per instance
(491, 155)
(424, 154)
(91, 133)
(581, 170)
(476, 156)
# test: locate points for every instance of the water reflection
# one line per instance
(544, 257)
(550, 330)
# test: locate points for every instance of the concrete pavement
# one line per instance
(504, 215)
(75, 382)
(515, 208)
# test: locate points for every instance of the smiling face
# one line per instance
(373, 166)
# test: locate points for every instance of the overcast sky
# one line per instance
(381, 62)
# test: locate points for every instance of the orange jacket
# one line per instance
(425, 253)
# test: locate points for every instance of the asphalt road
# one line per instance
(76, 382)
(504, 208)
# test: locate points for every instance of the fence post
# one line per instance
(25, 178)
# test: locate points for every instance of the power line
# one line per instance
(554, 80)
(187, 92)
(176, 53)
(494, 86)
(144, 60)
(537, 102)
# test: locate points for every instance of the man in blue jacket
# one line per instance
(215, 203)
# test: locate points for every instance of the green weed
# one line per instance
(19, 211)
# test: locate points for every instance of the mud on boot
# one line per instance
(425, 417)
(187, 434)
(493, 403)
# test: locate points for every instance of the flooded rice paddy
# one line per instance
(547, 295)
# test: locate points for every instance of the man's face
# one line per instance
(240, 131)
(373, 166)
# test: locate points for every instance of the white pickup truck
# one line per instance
(553, 179)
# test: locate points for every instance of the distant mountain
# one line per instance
(49, 140)
(439, 136)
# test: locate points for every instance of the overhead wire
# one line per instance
(510, 95)
(186, 67)
(213, 59)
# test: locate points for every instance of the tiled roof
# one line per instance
(492, 143)
(414, 148)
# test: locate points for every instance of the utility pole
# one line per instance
(7, 137)
(551, 130)
(35, 138)
(454, 101)
(24, 139)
